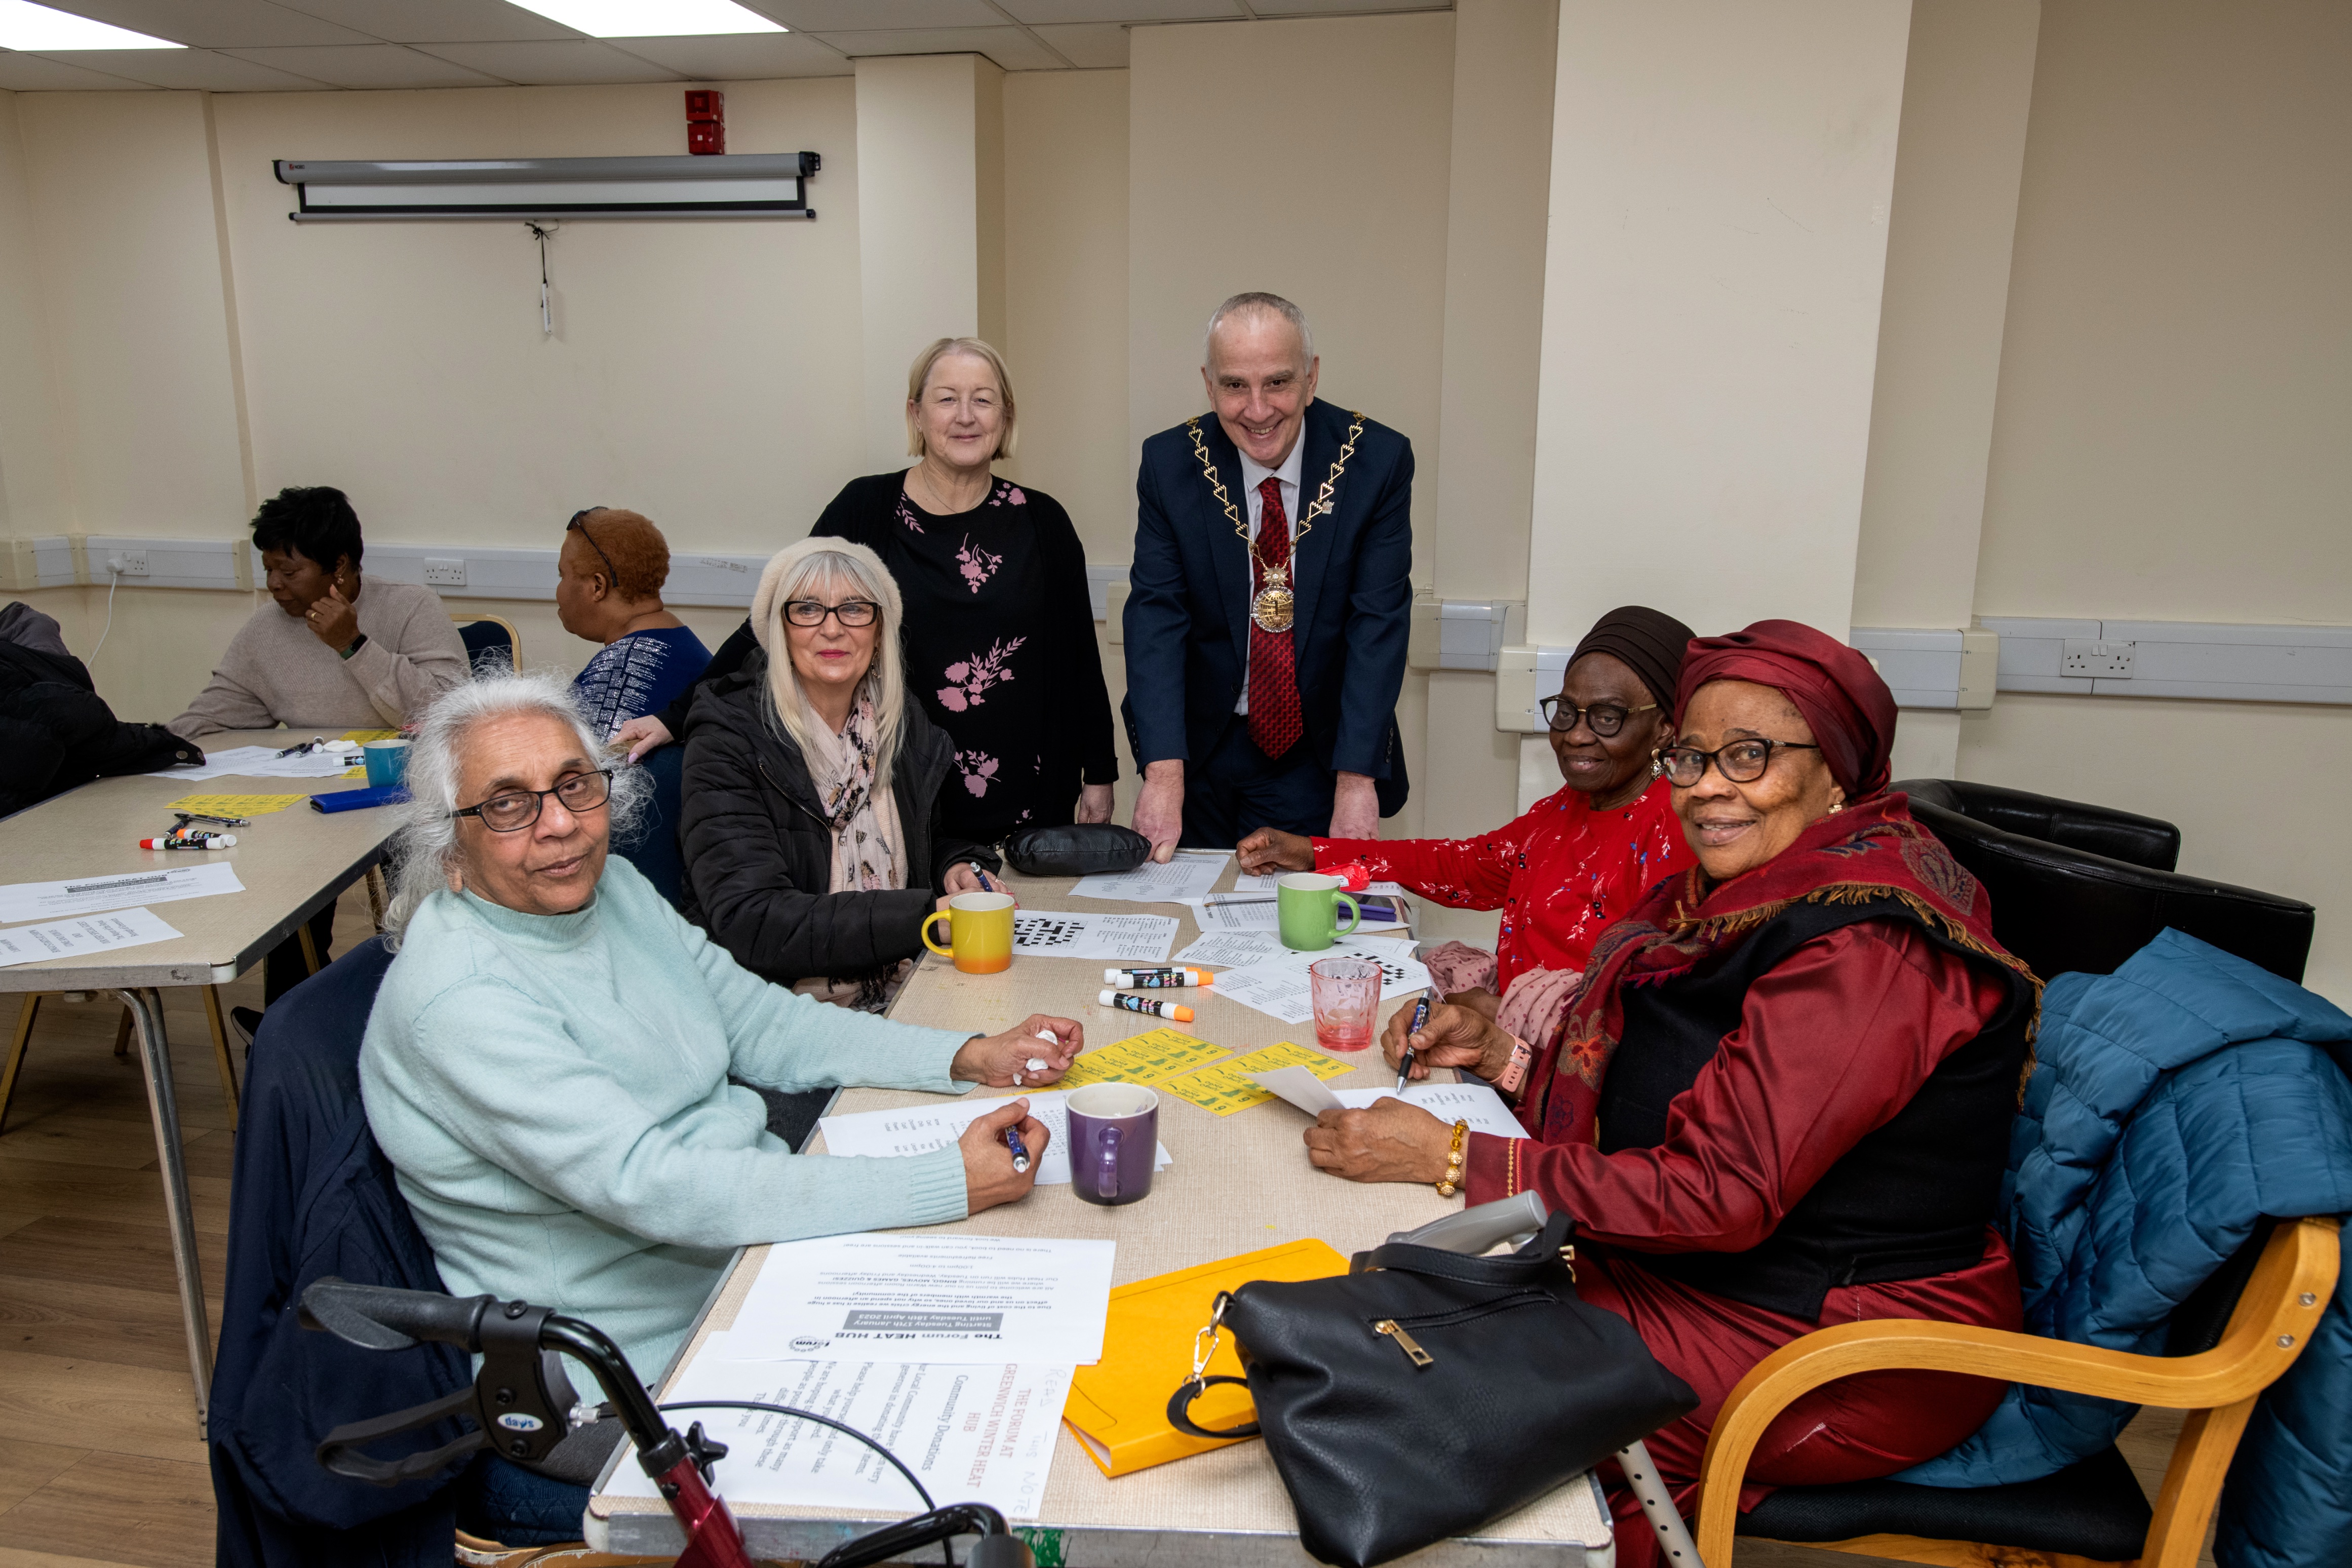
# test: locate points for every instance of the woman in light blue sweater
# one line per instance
(547, 1063)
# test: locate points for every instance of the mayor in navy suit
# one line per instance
(1265, 635)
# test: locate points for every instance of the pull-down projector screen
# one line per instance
(739, 184)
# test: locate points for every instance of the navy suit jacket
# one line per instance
(1186, 626)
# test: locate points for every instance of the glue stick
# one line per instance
(1131, 1004)
(1148, 979)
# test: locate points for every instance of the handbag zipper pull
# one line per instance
(1405, 1342)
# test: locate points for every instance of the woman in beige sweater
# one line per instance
(337, 652)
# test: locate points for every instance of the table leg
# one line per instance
(162, 1104)
(309, 947)
(377, 895)
(16, 1047)
(223, 1058)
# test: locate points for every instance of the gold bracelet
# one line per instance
(1452, 1183)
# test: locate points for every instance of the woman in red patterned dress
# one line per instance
(1576, 861)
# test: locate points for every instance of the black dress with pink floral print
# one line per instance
(1000, 646)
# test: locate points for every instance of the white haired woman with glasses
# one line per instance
(813, 788)
(547, 1065)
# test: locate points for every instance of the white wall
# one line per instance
(33, 497)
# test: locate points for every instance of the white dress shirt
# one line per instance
(1253, 476)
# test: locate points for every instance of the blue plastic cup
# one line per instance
(387, 762)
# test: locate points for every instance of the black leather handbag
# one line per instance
(1077, 849)
(1426, 1394)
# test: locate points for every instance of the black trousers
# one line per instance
(285, 969)
(1239, 789)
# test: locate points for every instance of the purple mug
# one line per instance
(1114, 1142)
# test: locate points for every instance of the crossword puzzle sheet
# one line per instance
(1279, 984)
(1153, 1057)
(1226, 1087)
(1126, 939)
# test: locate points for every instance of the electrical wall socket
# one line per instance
(445, 572)
(2107, 660)
(126, 563)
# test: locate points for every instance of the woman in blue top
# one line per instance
(608, 590)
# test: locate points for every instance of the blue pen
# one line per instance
(988, 884)
(1420, 1016)
(1020, 1150)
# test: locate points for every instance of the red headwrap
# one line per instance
(1850, 709)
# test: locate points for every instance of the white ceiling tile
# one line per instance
(215, 23)
(370, 66)
(1008, 46)
(860, 16)
(1092, 46)
(32, 73)
(1122, 10)
(200, 70)
(1343, 7)
(562, 61)
(437, 21)
(739, 56)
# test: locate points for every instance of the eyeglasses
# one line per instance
(1603, 719)
(591, 538)
(513, 812)
(1741, 761)
(849, 612)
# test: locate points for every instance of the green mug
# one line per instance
(1305, 907)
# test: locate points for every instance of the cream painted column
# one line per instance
(1720, 180)
(930, 220)
(1961, 156)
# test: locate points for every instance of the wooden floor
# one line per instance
(103, 1464)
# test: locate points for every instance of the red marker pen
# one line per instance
(191, 841)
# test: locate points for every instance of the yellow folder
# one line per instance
(1118, 1408)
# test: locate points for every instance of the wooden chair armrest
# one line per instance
(2281, 1306)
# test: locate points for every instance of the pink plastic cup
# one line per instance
(1347, 996)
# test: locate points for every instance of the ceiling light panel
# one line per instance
(651, 18)
(25, 25)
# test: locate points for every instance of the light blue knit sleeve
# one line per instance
(545, 1112)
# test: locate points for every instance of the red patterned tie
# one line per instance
(1273, 721)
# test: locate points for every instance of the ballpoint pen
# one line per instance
(1020, 1150)
(1404, 1063)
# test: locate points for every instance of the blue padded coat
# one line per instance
(2175, 1103)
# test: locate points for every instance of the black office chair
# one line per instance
(2078, 886)
(492, 647)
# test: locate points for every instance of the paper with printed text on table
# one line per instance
(156, 884)
(1267, 881)
(1228, 1087)
(1279, 984)
(262, 762)
(1475, 1103)
(919, 1129)
(79, 938)
(1153, 1057)
(1121, 939)
(977, 1432)
(1190, 875)
(886, 1297)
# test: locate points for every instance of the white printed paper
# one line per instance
(973, 1433)
(1129, 939)
(90, 894)
(264, 763)
(75, 938)
(1235, 918)
(896, 1297)
(1267, 881)
(1231, 949)
(1190, 875)
(1475, 1103)
(919, 1129)
(1279, 984)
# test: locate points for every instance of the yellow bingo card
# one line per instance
(1225, 1087)
(1152, 1057)
(234, 805)
(364, 736)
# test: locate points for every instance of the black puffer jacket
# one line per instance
(57, 731)
(759, 853)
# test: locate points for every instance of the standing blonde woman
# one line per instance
(812, 787)
(1000, 635)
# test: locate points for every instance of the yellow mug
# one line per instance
(979, 932)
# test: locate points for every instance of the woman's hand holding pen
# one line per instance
(990, 1177)
(966, 877)
(1454, 1037)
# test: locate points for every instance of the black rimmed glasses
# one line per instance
(1741, 761)
(1603, 719)
(578, 524)
(849, 612)
(517, 809)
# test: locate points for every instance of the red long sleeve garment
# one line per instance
(1562, 874)
(1831, 1044)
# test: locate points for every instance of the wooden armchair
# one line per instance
(2292, 1280)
